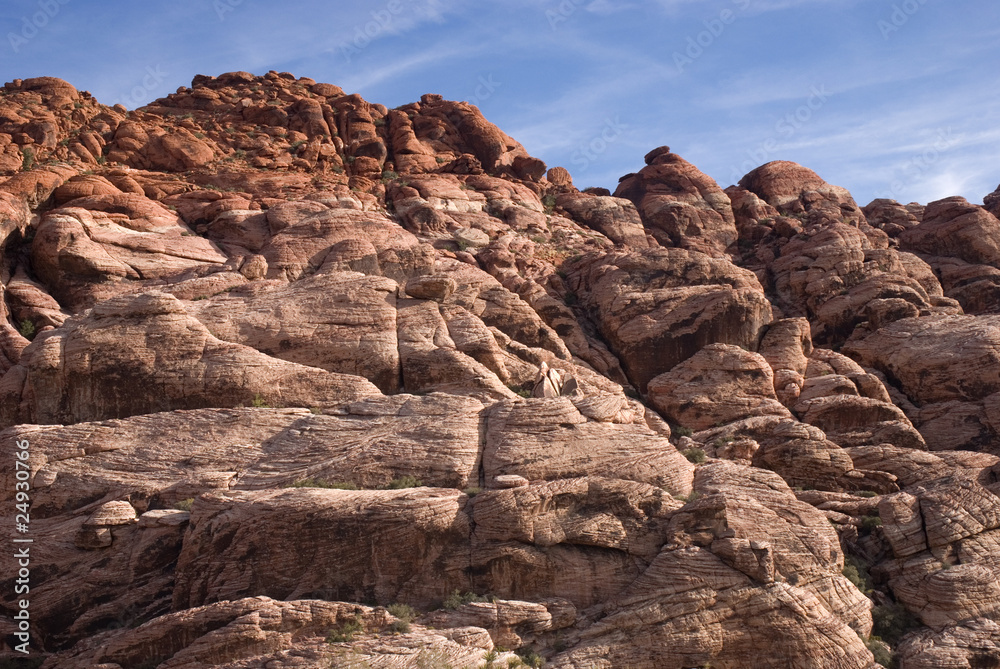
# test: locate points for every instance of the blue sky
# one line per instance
(889, 98)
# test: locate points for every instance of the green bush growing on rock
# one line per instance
(27, 329)
(893, 622)
(457, 598)
(404, 482)
(320, 483)
(530, 658)
(184, 504)
(869, 523)
(695, 455)
(883, 656)
(344, 632)
(406, 615)
(856, 571)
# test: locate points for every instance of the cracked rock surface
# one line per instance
(275, 350)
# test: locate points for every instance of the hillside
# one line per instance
(303, 381)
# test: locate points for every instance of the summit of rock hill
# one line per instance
(304, 381)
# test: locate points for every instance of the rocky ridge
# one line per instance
(277, 353)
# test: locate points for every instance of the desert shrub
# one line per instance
(184, 504)
(27, 158)
(883, 655)
(399, 627)
(320, 483)
(694, 496)
(27, 329)
(695, 455)
(522, 391)
(404, 482)
(458, 598)
(473, 491)
(892, 622)
(530, 657)
(344, 632)
(856, 571)
(869, 523)
(403, 612)
(681, 431)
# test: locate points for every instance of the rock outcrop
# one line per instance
(304, 381)
(679, 205)
(947, 367)
(659, 307)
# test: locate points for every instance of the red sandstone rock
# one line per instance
(679, 205)
(266, 241)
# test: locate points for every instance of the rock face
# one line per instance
(953, 227)
(338, 321)
(711, 573)
(948, 369)
(818, 256)
(679, 205)
(413, 552)
(659, 307)
(149, 340)
(961, 242)
(719, 384)
(260, 631)
(297, 380)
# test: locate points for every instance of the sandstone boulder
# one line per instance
(659, 307)
(338, 321)
(954, 227)
(732, 553)
(161, 358)
(679, 205)
(947, 365)
(719, 384)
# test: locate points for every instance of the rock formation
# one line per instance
(307, 381)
